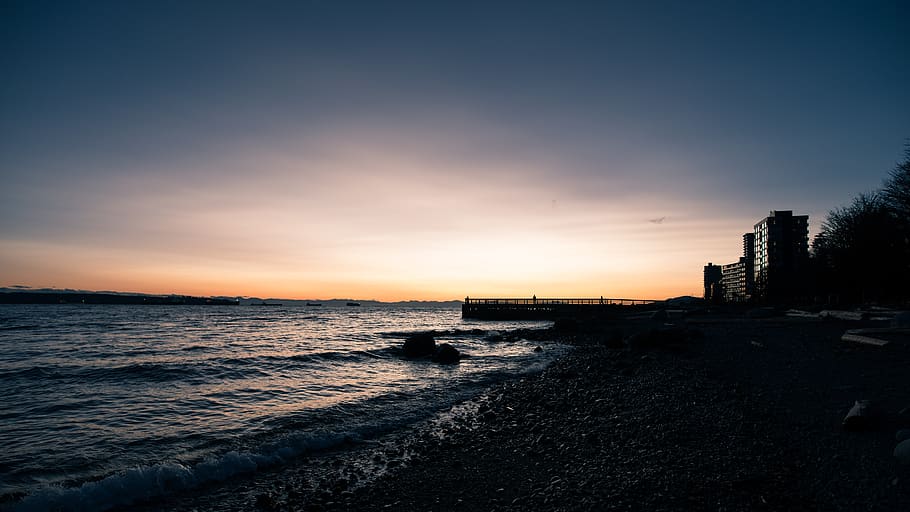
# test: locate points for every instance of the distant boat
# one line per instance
(313, 304)
(353, 303)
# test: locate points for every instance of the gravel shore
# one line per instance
(720, 413)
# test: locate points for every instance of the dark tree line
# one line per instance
(862, 253)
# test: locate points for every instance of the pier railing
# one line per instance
(551, 301)
(544, 307)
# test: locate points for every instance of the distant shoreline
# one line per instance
(111, 298)
(24, 295)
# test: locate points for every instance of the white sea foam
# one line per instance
(144, 483)
(149, 482)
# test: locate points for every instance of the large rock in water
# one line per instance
(446, 354)
(420, 345)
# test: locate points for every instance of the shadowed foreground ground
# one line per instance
(746, 415)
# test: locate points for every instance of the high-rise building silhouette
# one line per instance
(713, 287)
(738, 278)
(781, 255)
(773, 265)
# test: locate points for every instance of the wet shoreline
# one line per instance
(714, 413)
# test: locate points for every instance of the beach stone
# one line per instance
(901, 320)
(862, 416)
(419, 345)
(538, 348)
(902, 451)
(446, 354)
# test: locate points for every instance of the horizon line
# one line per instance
(25, 288)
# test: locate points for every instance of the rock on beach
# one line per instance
(862, 416)
(902, 451)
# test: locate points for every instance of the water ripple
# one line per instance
(88, 394)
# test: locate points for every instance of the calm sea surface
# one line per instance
(103, 405)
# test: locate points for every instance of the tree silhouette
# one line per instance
(859, 251)
(897, 188)
(897, 196)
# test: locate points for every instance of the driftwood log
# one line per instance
(879, 336)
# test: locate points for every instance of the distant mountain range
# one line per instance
(25, 295)
(45, 296)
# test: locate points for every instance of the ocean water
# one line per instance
(102, 406)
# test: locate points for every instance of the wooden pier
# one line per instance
(543, 308)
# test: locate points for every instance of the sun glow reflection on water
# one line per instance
(91, 390)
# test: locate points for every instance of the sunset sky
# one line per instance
(431, 150)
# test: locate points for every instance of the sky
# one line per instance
(431, 150)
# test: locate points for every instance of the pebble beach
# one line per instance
(717, 412)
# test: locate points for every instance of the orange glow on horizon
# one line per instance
(213, 281)
(369, 221)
